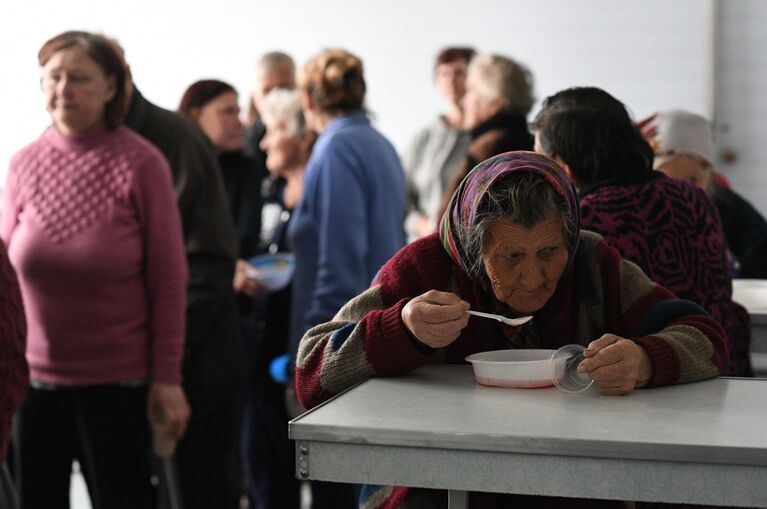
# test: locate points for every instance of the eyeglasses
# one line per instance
(50, 81)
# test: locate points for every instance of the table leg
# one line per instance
(457, 499)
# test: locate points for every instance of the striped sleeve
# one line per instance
(364, 339)
(683, 342)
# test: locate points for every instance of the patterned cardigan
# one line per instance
(600, 293)
(671, 229)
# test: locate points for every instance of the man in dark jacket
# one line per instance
(212, 368)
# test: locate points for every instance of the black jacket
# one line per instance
(212, 364)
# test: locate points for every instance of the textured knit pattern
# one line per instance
(13, 365)
(368, 338)
(94, 234)
(671, 229)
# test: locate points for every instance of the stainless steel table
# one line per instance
(703, 443)
(752, 294)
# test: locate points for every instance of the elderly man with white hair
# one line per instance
(274, 70)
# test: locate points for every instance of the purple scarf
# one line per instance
(462, 210)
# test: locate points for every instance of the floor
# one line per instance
(78, 494)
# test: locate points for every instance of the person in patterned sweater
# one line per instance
(670, 228)
(510, 244)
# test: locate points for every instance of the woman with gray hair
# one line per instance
(511, 244)
(499, 95)
(268, 454)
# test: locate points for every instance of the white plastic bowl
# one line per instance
(273, 271)
(522, 368)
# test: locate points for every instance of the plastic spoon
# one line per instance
(503, 319)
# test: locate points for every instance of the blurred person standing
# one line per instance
(499, 95)
(437, 149)
(95, 236)
(684, 149)
(349, 220)
(207, 457)
(270, 454)
(213, 106)
(14, 372)
(274, 69)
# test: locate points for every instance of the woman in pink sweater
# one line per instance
(92, 229)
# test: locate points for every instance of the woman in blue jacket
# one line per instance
(349, 221)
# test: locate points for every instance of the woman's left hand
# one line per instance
(616, 364)
(171, 400)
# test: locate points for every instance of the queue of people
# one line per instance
(129, 228)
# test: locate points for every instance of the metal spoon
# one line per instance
(503, 319)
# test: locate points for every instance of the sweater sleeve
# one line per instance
(13, 365)
(683, 342)
(367, 336)
(9, 207)
(166, 267)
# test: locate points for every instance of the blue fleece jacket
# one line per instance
(349, 221)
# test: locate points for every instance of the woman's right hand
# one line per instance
(436, 318)
(170, 400)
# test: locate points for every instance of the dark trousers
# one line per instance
(333, 495)
(207, 458)
(269, 453)
(103, 427)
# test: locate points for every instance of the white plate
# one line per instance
(273, 271)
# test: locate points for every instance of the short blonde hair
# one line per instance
(335, 82)
(500, 77)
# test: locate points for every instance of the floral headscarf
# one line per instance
(462, 211)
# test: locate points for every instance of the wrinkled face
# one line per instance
(451, 80)
(689, 168)
(524, 264)
(219, 119)
(282, 76)
(283, 150)
(476, 106)
(76, 91)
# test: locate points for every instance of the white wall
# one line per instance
(741, 108)
(650, 53)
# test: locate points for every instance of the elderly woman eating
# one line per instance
(511, 244)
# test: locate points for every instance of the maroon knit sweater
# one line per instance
(601, 293)
(13, 366)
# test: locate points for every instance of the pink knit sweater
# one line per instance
(94, 234)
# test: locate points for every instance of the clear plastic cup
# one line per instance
(564, 369)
